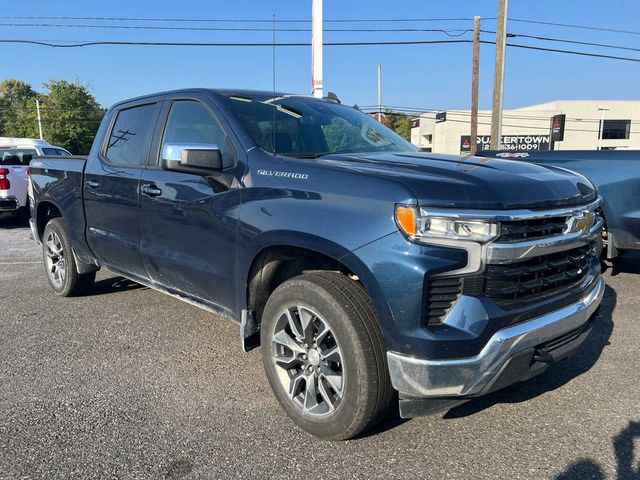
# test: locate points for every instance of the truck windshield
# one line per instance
(309, 128)
(16, 156)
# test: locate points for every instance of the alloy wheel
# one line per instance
(55, 261)
(308, 360)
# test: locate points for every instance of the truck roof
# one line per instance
(218, 91)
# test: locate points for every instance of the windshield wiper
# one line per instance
(310, 155)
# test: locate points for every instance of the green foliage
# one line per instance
(70, 113)
(399, 123)
(14, 107)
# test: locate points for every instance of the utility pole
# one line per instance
(601, 126)
(379, 93)
(475, 67)
(316, 48)
(39, 118)
(498, 75)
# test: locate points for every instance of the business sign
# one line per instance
(557, 127)
(517, 143)
(441, 117)
(415, 122)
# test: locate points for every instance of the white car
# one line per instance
(15, 155)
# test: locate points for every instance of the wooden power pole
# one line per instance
(474, 85)
(498, 75)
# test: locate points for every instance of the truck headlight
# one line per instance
(420, 226)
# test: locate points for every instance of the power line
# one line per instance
(564, 40)
(449, 32)
(304, 20)
(534, 127)
(421, 110)
(569, 25)
(306, 44)
(241, 20)
(226, 44)
(572, 52)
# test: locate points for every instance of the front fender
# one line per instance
(393, 271)
(287, 238)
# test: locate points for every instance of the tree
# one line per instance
(14, 104)
(398, 122)
(70, 113)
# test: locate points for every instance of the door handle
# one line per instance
(92, 184)
(151, 190)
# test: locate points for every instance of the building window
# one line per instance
(615, 129)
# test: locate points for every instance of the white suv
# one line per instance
(15, 155)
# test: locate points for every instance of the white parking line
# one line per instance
(20, 263)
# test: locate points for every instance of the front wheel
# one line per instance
(59, 263)
(324, 356)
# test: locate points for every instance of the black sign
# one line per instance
(518, 143)
(557, 127)
(441, 117)
(415, 122)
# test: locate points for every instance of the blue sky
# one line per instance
(428, 76)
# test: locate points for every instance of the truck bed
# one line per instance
(57, 183)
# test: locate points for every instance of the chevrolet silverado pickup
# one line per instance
(616, 175)
(369, 273)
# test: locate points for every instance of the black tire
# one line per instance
(346, 309)
(24, 214)
(69, 283)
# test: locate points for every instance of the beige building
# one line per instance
(589, 125)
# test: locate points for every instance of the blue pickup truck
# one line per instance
(616, 175)
(369, 273)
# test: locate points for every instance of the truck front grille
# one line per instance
(522, 230)
(516, 283)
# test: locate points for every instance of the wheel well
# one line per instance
(275, 265)
(46, 211)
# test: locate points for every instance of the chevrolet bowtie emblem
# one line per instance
(580, 222)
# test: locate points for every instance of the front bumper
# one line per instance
(473, 376)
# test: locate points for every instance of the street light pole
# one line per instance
(39, 119)
(316, 48)
(601, 127)
(379, 93)
(498, 75)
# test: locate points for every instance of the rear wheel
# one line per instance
(59, 262)
(324, 356)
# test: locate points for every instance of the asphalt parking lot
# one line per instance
(129, 383)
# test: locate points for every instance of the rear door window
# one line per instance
(16, 156)
(130, 136)
(50, 151)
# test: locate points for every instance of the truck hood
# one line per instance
(474, 182)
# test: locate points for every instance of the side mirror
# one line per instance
(192, 157)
